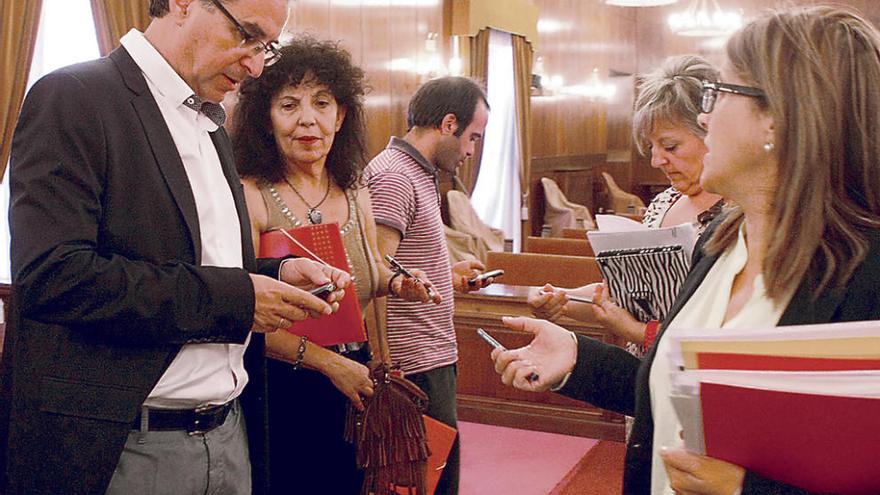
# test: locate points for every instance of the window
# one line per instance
(496, 196)
(66, 35)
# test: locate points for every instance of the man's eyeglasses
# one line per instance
(711, 90)
(270, 50)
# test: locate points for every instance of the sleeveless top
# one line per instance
(364, 273)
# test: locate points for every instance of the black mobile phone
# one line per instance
(323, 291)
(483, 276)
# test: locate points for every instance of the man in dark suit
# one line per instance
(138, 310)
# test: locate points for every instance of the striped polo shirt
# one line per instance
(404, 192)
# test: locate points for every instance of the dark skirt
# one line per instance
(307, 451)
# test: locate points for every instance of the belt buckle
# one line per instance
(200, 421)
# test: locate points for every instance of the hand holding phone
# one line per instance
(323, 291)
(497, 345)
(485, 275)
(396, 266)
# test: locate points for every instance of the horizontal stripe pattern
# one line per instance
(421, 336)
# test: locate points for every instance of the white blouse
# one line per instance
(705, 309)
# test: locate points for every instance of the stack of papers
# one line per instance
(620, 233)
(644, 268)
(796, 404)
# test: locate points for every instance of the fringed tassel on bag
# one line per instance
(390, 436)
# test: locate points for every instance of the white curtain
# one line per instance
(496, 197)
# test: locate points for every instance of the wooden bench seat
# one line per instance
(557, 245)
(539, 269)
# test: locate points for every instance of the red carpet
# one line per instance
(498, 460)
(600, 472)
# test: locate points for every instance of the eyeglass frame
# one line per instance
(710, 90)
(271, 52)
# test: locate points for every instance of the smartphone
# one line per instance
(497, 345)
(324, 291)
(483, 276)
(488, 338)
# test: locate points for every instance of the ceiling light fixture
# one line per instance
(704, 18)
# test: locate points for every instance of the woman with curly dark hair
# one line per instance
(299, 146)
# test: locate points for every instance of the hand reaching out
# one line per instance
(551, 355)
(548, 303)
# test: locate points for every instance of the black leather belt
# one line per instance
(193, 421)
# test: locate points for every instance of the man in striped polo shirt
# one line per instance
(446, 117)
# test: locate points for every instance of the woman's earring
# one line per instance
(768, 146)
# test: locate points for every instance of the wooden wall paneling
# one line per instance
(376, 42)
(311, 16)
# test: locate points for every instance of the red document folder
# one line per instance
(821, 443)
(325, 241)
(736, 361)
(440, 437)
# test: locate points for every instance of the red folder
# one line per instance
(440, 437)
(325, 242)
(736, 361)
(820, 443)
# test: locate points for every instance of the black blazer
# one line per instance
(611, 378)
(107, 282)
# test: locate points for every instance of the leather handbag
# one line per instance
(389, 434)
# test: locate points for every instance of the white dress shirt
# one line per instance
(704, 310)
(201, 373)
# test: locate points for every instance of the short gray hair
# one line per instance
(671, 93)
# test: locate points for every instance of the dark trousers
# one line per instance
(440, 385)
(307, 451)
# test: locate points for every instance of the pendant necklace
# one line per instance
(314, 214)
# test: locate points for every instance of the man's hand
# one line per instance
(278, 304)
(307, 274)
(416, 289)
(466, 270)
(691, 473)
(551, 355)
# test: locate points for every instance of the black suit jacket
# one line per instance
(611, 378)
(107, 282)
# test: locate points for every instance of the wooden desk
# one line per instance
(482, 398)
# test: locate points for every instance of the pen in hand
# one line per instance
(406, 273)
(533, 377)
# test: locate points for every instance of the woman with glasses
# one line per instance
(299, 145)
(794, 142)
(664, 125)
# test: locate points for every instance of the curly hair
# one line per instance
(302, 58)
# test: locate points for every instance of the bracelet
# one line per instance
(390, 282)
(300, 353)
(651, 333)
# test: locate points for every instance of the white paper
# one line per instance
(684, 235)
(793, 332)
(831, 383)
(617, 223)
